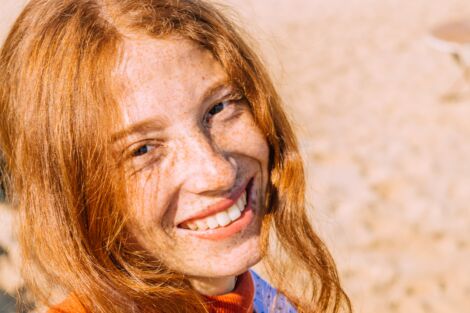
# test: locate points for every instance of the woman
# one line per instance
(152, 164)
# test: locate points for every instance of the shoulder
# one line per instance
(267, 298)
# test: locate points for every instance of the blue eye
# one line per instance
(217, 108)
(142, 150)
(226, 108)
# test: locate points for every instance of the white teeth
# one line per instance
(234, 212)
(201, 224)
(192, 226)
(241, 203)
(211, 222)
(222, 218)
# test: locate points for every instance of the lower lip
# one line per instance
(223, 232)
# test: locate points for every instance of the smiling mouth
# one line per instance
(219, 219)
(233, 214)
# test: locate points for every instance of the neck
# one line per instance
(213, 286)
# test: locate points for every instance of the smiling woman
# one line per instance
(189, 169)
(152, 165)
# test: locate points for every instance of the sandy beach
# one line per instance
(387, 152)
(387, 155)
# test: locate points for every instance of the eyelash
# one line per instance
(142, 159)
(215, 106)
(233, 99)
(149, 147)
(136, 153)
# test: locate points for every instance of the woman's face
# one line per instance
(196, 162)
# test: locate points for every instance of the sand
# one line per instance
(387, 153)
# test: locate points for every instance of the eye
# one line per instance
(225, 109)
(144, 154)
(141, 150)
(217, 108)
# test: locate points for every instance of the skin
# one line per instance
(181, 157)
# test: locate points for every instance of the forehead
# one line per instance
(162, 71)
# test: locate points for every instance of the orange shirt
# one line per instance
(240, 300)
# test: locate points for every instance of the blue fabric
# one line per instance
(265, 295)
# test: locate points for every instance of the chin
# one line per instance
(224, 262)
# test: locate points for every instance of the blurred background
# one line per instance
(382, 110)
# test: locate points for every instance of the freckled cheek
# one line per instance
(245, 139)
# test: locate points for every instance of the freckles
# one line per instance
(251, 141)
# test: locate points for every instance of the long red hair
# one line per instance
(58, 110)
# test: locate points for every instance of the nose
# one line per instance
(209, 171)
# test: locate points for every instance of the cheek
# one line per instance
(146, 213)
(245, 138)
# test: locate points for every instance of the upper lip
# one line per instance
(219, 206)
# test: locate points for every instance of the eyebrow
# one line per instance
(216, 88)
(145, 126)
(154, 124)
